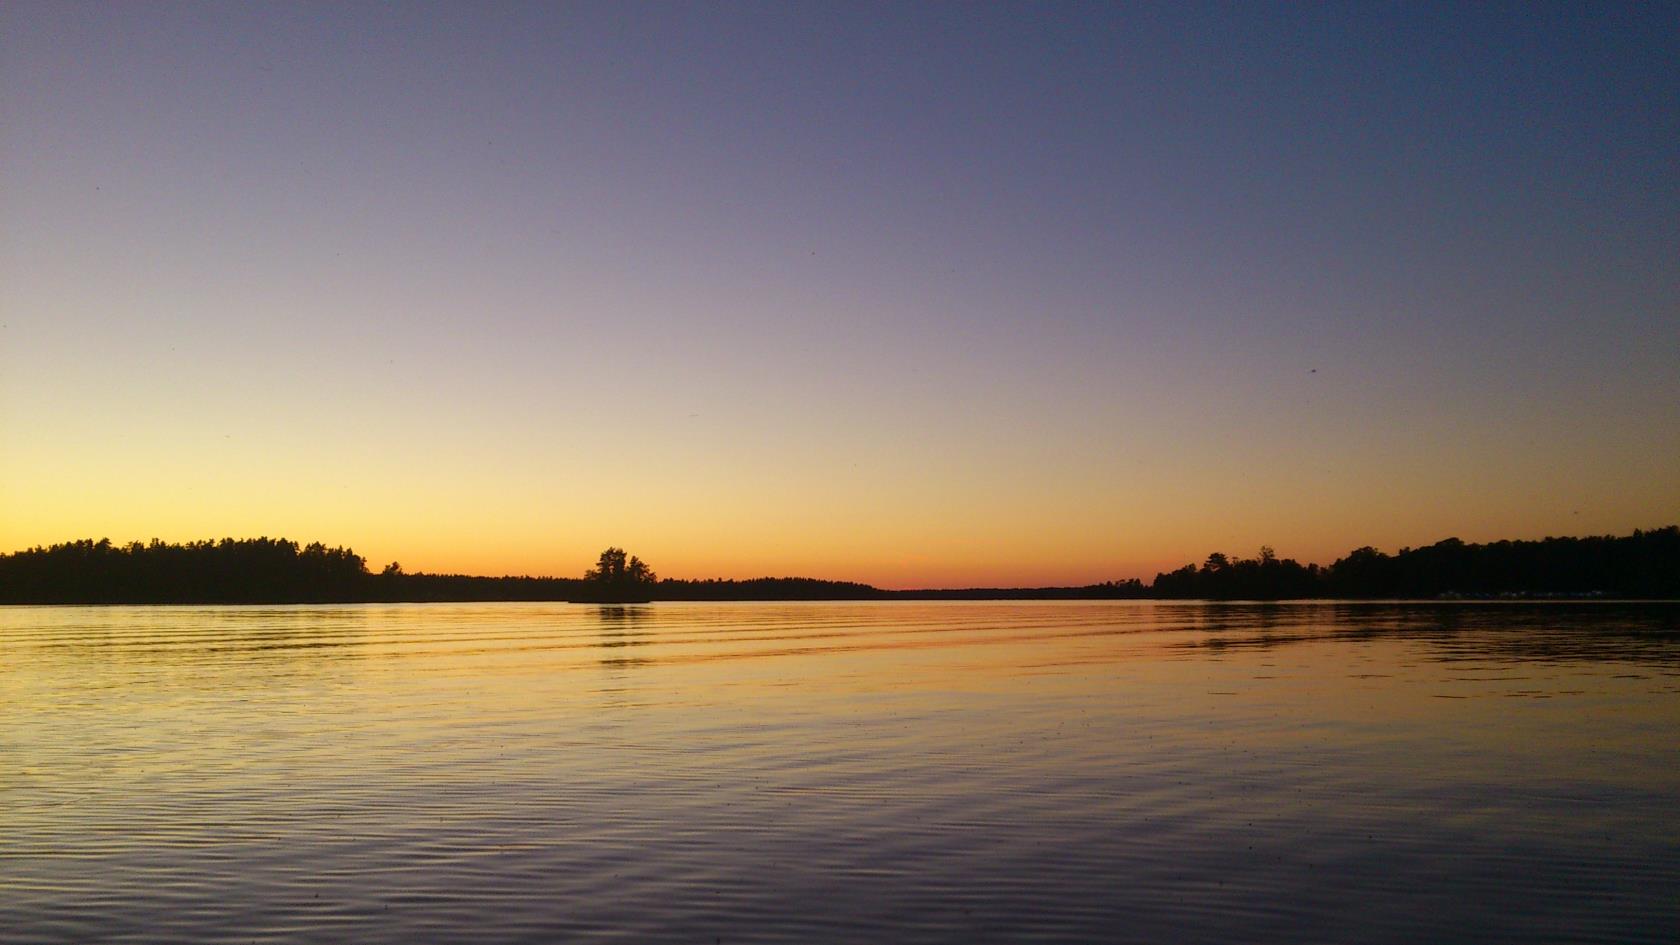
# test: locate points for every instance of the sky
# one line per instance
(912, 294)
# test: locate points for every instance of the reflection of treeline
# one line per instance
(265, 570)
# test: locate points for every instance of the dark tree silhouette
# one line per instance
(252, 570)
(1645, 564)
(618, 578)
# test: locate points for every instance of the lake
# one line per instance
(841, 772)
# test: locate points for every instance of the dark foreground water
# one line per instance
(962, 772)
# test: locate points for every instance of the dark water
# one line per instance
(964, 772)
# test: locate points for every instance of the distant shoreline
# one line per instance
(894, 597)
(1644, 565)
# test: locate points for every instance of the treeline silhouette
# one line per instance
(226, 571)
(766, 588)
(1131, 589)
(236, 571)
(1645, 564)
(798, 588)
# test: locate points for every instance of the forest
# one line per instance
(1644, 564)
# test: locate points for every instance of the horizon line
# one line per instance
(1122, 581)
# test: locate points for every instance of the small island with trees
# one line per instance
(1642, 565)
(617, 580)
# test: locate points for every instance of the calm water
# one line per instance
(952, 772)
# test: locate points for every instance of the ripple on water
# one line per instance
(840, 772)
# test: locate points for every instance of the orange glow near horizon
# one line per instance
(916, 520)
(1080, 309)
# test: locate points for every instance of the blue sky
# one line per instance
(905, 293)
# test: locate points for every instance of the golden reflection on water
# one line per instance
(863, 769)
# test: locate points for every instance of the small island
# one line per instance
(616, 579)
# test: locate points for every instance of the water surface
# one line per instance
(903, 772)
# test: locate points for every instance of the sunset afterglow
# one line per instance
(919, 296)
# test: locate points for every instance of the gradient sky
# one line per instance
(909, 294)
